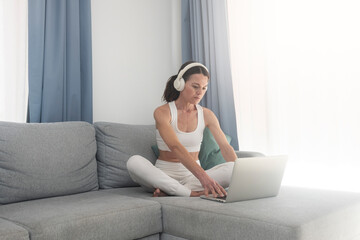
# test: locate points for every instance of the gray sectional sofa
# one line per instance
(69, 181)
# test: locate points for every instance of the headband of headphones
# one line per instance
(179, 83)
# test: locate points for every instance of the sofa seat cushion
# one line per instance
(295, 214)
(11, 231)
(91, 215)
(39, 160)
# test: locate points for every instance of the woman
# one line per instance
(179, 130)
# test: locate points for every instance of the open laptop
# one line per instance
(254, 177)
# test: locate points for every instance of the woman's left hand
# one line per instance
(211, 186)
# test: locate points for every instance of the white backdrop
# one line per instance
(297, 83)
(136, 48)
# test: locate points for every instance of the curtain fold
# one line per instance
(60, 65)
(205, 39)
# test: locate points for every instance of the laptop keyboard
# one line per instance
(223, 197)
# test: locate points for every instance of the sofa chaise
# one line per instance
(69, 181)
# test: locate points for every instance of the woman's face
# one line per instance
(195, 88)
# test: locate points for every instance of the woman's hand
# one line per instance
(211, 186)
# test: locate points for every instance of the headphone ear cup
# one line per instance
(179, 84)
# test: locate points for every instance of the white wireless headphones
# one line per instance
(179, 83)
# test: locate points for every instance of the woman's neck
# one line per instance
(184, 106)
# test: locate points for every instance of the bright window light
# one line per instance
(296, 72)
(13, 60)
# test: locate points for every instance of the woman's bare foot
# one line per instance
(159, 193)
(197, 193)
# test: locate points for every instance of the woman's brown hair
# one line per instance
(170, 93)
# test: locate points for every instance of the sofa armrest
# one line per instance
(243, 154)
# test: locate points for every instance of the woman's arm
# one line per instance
(162, 119)
(212, 123)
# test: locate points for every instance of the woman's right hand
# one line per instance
(211, 186)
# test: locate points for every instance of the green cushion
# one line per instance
(209, 154)
(155, 150)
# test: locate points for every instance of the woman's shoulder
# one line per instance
(162, 111)
(207, 111)
(162, 108)
(209, 116)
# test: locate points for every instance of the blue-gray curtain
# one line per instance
(205, 39)
(60, 61)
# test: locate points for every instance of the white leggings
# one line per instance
(174, 178)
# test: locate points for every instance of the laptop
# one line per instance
(253, 178)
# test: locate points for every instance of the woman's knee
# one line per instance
(134, 162)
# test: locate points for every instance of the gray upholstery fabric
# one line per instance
(43, 160)
(40, 160)
(116, 143)
(295, 214)
(90, 215)
(165, 236)
(11, 231)
(152, 237)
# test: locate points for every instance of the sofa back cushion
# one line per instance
(40, 160)
(116, 143)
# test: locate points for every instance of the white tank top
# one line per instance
(190, 140)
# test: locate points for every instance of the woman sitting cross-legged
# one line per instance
(179, 131)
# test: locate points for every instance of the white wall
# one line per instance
(136, 48)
